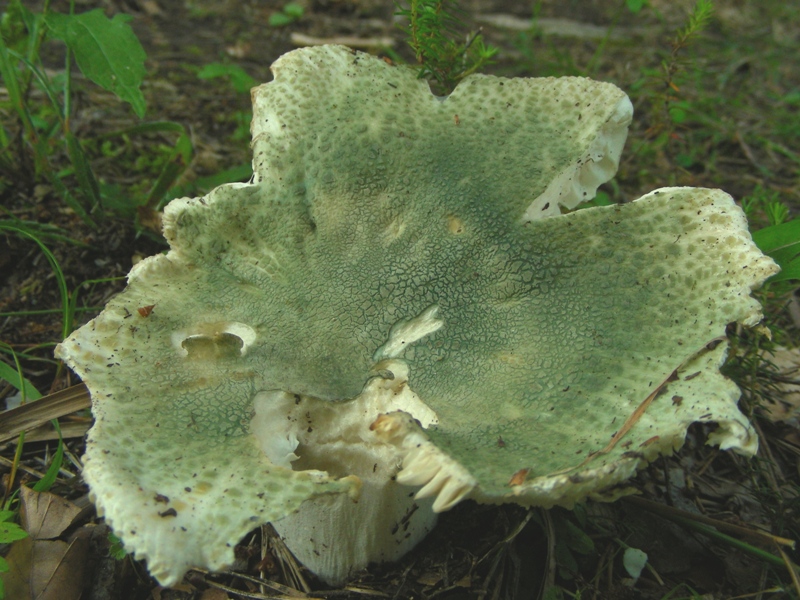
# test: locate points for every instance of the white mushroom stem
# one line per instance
(335, 537)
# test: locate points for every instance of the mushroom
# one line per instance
(384, 323)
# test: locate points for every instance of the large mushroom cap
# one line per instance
(390, 257)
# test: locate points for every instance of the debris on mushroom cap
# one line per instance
(388, 257)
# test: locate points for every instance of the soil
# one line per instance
(475, 551)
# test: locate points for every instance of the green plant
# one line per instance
(669, 110)
(781, 242)
(15, 377)
(431, 27)
(117, 549)
(61, 281)
(780, 239)
(106, 51)
(240, 80)
(290, 13)
(635, 6)
(242, 83)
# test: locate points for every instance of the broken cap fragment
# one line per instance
(386, 258)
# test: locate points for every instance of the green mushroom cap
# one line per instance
(403, 253)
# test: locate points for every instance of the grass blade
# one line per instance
(46, 482)
(66, 325)
(15, 378)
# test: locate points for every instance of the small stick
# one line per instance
(746, 532)
(35, 413)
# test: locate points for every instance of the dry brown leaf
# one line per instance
(430, 578)
(46, 569)
(16, 580)
(57, 569)
(41, 567)
(45, 516)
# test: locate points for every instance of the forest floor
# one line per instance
(721, 112)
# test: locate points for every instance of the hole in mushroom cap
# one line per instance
(219, 345)
(209, 341)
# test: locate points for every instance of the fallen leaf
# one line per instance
(40, 566)
(45, 516)
(57, 569)
(46, 569)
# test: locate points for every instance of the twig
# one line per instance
(46, 408)
(676, 513)
(244, 594)
(773, 471)
(550, 579)
(21, 467)
(278, 587)
(792, 570)
(301, 39)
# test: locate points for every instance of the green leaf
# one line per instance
(117, 549)
(576, 538)
(635, 5)
(601, 199)
(553, 593)
(12, 376)
(46, 482)
(106, 50)
(293, 10)
(16, 23)
(177, 163)
(279, 19)
(678, 114)
(789, 270)
(119, 202)
(566, 562)
(11, 532)
(5, 515)
(778, 237)
(782, 244)
(241, 81)
(151, 127)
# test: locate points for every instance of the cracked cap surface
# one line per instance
(372, 204)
